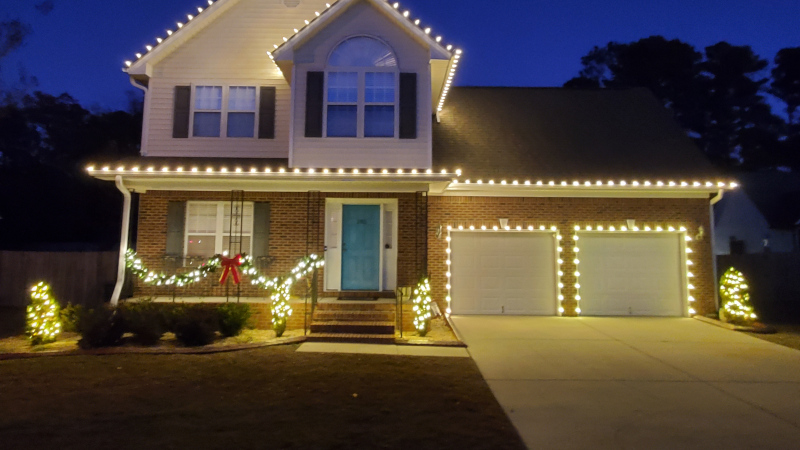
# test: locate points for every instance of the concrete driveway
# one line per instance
(631, 383)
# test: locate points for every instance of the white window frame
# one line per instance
(219, 235)
(361, 103)
(223, 126)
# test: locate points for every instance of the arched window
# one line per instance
(362, 51)
(361, 98)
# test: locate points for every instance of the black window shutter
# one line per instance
(176, 223)
(408, 106)
(315, 87)
(261, 213)
(180, 116)
(266, 113)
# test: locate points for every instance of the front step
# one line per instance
(357, 316)
(384, 339)
(356, 322)
(353, 327)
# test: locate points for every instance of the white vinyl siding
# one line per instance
(231, 50)
(362, 19)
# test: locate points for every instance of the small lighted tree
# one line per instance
(422, 307)
(43, 320)
(281, 310)
(735, 297)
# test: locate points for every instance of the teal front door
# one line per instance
(361, 252)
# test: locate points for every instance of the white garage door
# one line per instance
(503, 273)
(631, 275)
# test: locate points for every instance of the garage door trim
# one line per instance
(557, 247)
(685, 263)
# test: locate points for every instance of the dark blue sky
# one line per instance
(80, 46)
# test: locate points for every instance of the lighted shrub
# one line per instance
(281, 310)
(43, 316)
(735, 298)
(422, 307)
(233, 318)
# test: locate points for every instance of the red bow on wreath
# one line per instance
(229, 265)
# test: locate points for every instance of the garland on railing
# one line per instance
(305, 267)
(279, 286)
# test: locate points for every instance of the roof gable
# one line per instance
(284, 51)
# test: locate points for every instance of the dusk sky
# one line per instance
(80, 46)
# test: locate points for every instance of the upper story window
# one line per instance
(232, 109)
(362, 85)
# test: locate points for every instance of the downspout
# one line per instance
(123, 240)
(714, 200)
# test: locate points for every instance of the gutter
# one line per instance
(123, 239)
(145, 114)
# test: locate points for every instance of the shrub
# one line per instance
(70, 317)
(233, 318)
(100, 327)
(735, 299)
(145, 320)
(422, 307)
(195, 325)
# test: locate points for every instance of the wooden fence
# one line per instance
(85, 278)
(774, 280)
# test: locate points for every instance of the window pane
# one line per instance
(242, 98)
(342, 121)
(342, 87)
(241, 124)
(202, 246)
(379, 87)
(206, 124)
(247, 218)
(202, 218)
(379, 121)
(362, 52)
(232, 251)
(208, 98)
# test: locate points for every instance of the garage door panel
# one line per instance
(631, 275)
(503, 273)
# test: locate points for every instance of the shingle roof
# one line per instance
(564, 134)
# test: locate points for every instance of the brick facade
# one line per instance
(293, 235)
(566, 213)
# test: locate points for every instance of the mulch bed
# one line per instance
(265, 398)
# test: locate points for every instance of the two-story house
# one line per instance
(283, 128)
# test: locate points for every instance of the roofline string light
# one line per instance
(522, 227)
(601, 184)
(159, 40)
(645, 229)
(196, 170)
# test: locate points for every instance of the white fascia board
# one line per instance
(142, 185)
(462, 190)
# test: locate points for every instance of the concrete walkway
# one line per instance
(374, 349)
(637, 383)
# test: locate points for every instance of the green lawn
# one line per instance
(268, 398)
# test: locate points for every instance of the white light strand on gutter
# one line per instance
(624, 184)
(279, 172)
